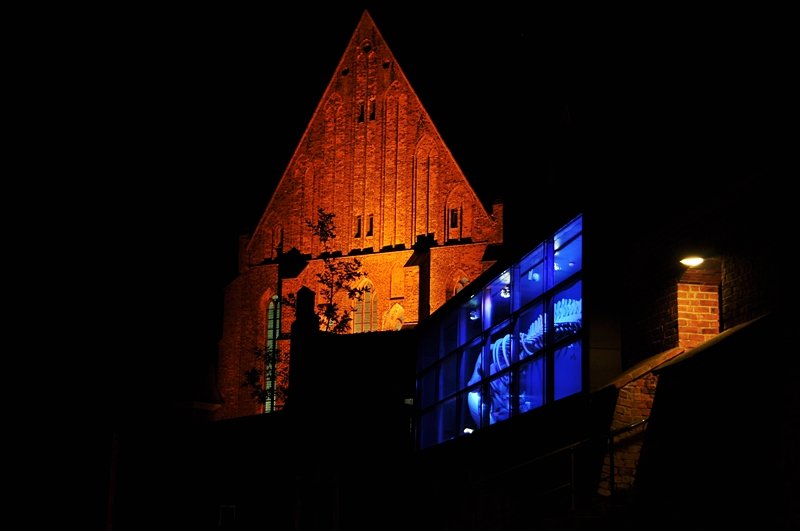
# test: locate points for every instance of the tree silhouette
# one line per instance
(338, 276)
(263, 382)
(338, 283)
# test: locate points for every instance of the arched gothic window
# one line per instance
(271, 343)
(365, 315)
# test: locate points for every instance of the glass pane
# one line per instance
(499, 355)
(567, 247)
(427, 389)
(448, 376)
(471, 371)
(428, 348)
(530, 282)
(481, 353)
(499, 398)
(469, 421)
(475, 406)
(567, 371)
(497, 305)
(369, 311)
(357, 317)
(531, 327)
(273, 319)
(568, 260)
(567, 233)
(427, 429)
(532, 384)
(448, 420)
(471, 318)
(449, 334)
(568, 311)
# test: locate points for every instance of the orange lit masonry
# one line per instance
(371, 156)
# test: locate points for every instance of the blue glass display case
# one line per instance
(514, 346)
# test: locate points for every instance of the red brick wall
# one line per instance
(698, 313)
(388, 165)
(746, 286)
(447, 263)
(697, 320)
(651, 323)
(634, 403)
(391, 166)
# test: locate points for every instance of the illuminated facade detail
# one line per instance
(458, 283)
(397, 282)
(371, 156)
(514, 346)
(458, 215)
(393, 319)
(271, 343)
(365, 314)
(277, 241)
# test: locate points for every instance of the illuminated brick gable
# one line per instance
(402, 206)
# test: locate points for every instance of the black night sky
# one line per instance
(188, 117)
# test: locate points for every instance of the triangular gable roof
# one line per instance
(363, 155)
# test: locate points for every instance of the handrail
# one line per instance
(629, 427)
(571, 448)
(570, 484)
(537, 458)
(612, 485)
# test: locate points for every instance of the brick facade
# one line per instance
(371, 156)
(634, 402)
(698, 313)
(694, 300)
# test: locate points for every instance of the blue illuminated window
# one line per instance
(514, 346)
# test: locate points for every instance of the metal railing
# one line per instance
(572, 448)
(611, 451)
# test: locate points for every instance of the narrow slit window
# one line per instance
(453, 218)
(370, 225)
(358, 227)
(372, 110)
(360, 112)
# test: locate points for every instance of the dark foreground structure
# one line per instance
(690, 432)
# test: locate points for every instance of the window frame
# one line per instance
(561, 291)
